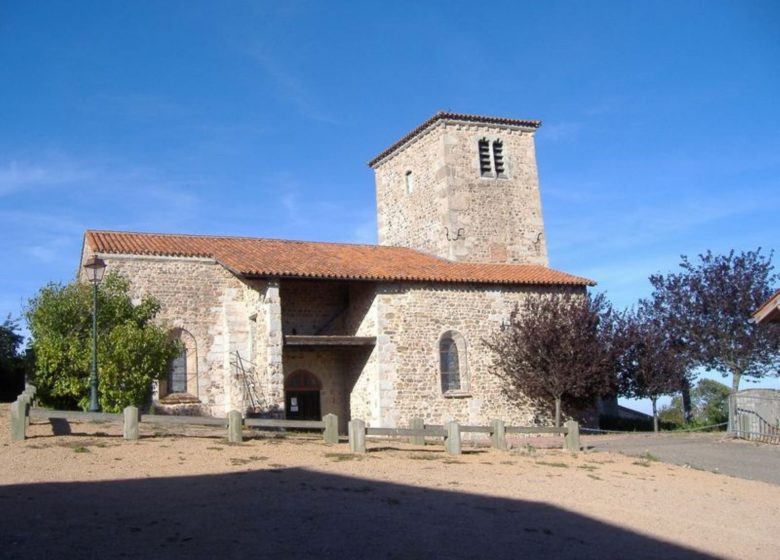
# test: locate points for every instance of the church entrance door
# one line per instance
(302, 396)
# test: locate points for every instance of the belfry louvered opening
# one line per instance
(491, 158)
(498, 157)
(485, 164)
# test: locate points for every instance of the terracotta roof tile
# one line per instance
(306, 259)
(453, 117)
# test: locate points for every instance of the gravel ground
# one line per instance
(92, 495)
(710, 452)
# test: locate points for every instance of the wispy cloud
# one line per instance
(290, 88)
(18, 175)
(561, 131)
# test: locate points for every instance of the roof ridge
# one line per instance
(248, 238)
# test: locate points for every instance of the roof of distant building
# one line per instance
(769, 312)
(452, 117)
(254, 257)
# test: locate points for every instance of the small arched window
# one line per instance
(452, 363)
(409, 179)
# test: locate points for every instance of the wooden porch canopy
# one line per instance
(328, 340)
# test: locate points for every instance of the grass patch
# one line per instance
(341, 457)
(588, 467)
(81, 449)
(647, 456)
(423, 457)
(642, 463)
(215, 448)
(594, 477)
(553, 464)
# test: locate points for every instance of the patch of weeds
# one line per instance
(423, 457)
(587, 467)
(277, 466)
(236, 461)
(159, 434)
(81, 449)
(642, 463)
(101, 444)
(485, 463)
(553, 464)
(527, 449)
(594, 477)
(647, 456)
(341, 457)
(508, 463)
(117, 458)
(215, 448)
(453, 462)
(258, 458)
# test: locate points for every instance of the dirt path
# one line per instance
(91, 495)
(711, 452)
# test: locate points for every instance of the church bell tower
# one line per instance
(464, 188)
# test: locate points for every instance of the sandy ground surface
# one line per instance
(92, 495)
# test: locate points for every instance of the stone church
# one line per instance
(381, 332)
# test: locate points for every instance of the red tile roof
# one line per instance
(452, 117)
(306, 259)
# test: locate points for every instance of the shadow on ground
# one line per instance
(296, 513)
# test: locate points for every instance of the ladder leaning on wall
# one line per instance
(246, 372)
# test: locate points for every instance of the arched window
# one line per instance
(452, 363)
(182, 375)
(177, 373)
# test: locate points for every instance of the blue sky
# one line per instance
(661, 131)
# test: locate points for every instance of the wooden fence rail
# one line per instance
(22, 411)
(451, 432)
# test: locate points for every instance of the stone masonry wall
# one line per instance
(455, 213)
(412, 318)
(415, 219)
(210, 303)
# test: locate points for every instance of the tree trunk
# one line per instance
(655, 414)
(686, 402)
(557, 412)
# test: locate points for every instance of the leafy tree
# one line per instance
(556, 347)
(12, 361)
(652, 362)
(132, 350)
(708, 305)
(709, 404)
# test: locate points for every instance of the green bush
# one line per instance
(132, 350)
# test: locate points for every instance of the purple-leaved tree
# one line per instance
(556, 347)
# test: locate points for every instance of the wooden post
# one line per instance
(235, 433)
(18, 421)
(417, 424)
(130, 431)
(571, 442)
(331, 433)
(452, 439)
(357, 436)
(498, 435)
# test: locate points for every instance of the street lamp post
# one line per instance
(95, 268)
